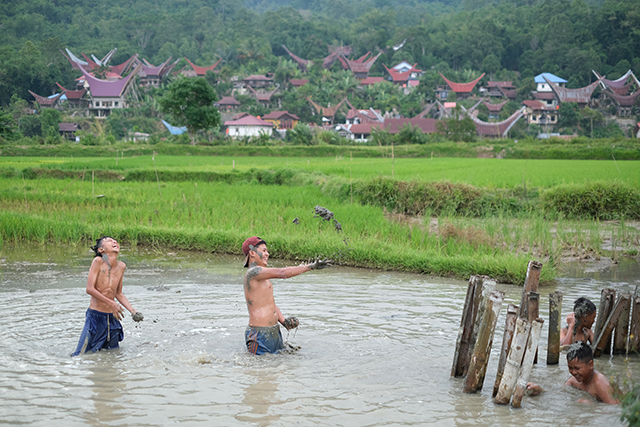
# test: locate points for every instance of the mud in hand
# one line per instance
(137, 317)
(320, 264)
(291, 323)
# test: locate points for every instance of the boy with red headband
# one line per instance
(263, 333)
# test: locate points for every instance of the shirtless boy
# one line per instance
(102, 327)
(579, 323)
(583, 376)
(263, 333)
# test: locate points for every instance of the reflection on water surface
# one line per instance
(376, 349)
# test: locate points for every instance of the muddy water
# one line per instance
(376, 349)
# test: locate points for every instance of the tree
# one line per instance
(7, 125)
(50, 123)
(568, 114)
(190, 102)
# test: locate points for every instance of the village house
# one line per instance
(248, 126)
(543, 92)
(500, 89)
(108, 95)
(462, 90)
(68, 131)
(538, 113)
(403, 75)
(282, 119)
(227, 103)
(151, 76)
(75, 98)
(258, 81)
(298, 82)
(198, 70)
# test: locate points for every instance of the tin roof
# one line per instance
(579, 96)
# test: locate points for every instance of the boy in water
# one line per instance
(583, 376)
(579, 323)
(263, 333)
(102, 327)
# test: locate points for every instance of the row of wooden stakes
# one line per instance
(522, 332)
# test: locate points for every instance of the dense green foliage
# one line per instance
(565, 38)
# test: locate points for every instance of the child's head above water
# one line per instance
(585, 311)
(580, 361)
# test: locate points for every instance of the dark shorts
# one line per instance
(101, 331)
(261, 340)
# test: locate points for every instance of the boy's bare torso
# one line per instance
(107, 283)
(260, 301)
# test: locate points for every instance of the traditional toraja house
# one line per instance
(298, 82)
(360, 70)
(248, 126)
(151, 75)
(494, 109)
(68, 130)
(227, 103)
(329, 112)
(580, 96)
(257, 81)
(498, 129)
(357, 116)
(500, 89)
(405, 77)
(75, 98)
(108, 95)
(282, 119)
(45, 102)
(462, 90)
(371, 81)
(362, 132)
(263, 96)
(543, 92)
(621, 86)
(125, 67)
(198, 70)
(335, 53)
(538, 113)
(624, 103)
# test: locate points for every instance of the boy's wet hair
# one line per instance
(98, 245)
(580, 350)
(583, 306)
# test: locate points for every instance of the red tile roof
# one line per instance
(500, 84)
(248, 120)
(227, 100)
(461, 87)
(395, 125)
(623, 100)
(201, 71)
(398, 76)
(120, 69)
(299, 82)
(72, 94)
(277, 115)
(46, 102)
(536, 105)
(371, 81)
(544, 95)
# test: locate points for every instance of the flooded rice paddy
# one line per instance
(377, 348)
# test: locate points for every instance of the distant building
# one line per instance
(198, 70)
(462, 90)
(500, 89)
(258, 81)
(248, 126)
(538, 113)
(75, 98)
(152, 76)
(108, 95)
(403, 76)
(68, 131)
(298, 82)
(282, 119)
(46, 102)
(371, 81)
(227, 103)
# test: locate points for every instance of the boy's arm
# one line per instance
(120, 295)
(265, 273)
(605, 391)
(95, 293)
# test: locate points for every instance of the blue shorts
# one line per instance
(101, 331)
(263, 339)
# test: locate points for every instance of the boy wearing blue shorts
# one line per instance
(263, 333)
(102, 328)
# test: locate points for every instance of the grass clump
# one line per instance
(599, 200)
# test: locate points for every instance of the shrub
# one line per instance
(599, 200)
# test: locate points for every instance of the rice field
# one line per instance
(491, 173)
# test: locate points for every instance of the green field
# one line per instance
(491, 173)
(195, 214)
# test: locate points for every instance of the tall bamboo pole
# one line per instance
(509, 329)
(460, 357)
(482, 349)
(514, 361)
(607, 301)
(621, 335)
(488, 286)
(527, 363)
(530, 284)
(601, 340)
(634, 338)
(555, 319)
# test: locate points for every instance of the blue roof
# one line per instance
(62, 98)
(174, 129)
(552, 78)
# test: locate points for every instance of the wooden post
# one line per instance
(601, 342)
(527, 363)
(482, 349)
(460, 357)
(533, 310)
(488, 286)
(555, 319)
(634, 338)
(509, 329)
(621, 335)
(607, 300)
(514, 361)
(530, 284)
